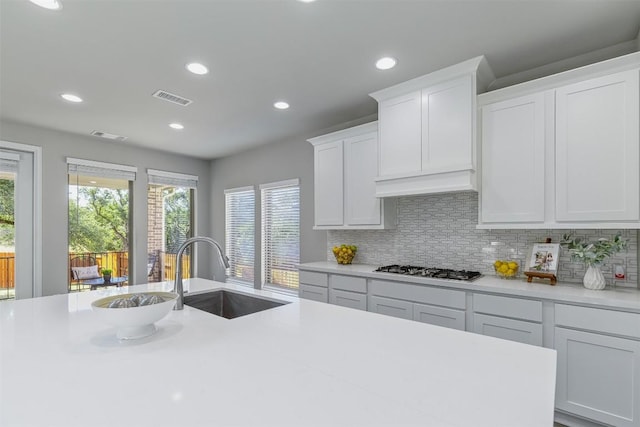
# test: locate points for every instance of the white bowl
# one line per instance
(134, 322)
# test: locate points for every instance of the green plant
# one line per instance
(593, 253)
(106, 272)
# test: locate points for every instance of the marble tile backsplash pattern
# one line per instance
(440, 231)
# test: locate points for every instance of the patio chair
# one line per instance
(151, 263)
(82, 268)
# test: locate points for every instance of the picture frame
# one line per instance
(543, 258)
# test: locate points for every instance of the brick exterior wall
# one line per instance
(155, 227)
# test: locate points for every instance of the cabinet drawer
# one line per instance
(508, 329)
(313, 278)
(508, 307)
(391, 307)
(348, 299)
(595, 319)
(418, 293)
(315, 293)
(348, 283)
(439, 316)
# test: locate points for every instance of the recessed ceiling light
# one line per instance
(48, 4)
(176, 126)
(386, 63)
(307, 1)
(197, 68)
(71, 98)
(281, 105)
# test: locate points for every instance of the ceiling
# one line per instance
(317, 56)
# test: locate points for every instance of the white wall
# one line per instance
(275, 162)
(56, 147)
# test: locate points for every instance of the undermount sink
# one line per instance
(229, 304)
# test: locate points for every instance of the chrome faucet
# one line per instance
(177, 286)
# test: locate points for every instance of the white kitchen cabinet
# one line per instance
(314, 286)
(440, 316)
(328, 183)
(345, 167)
(508, 329)
(428, 131)
(433, 305)
(563, 151)
(513, 161)
(348, 291)
(391, 307)
(598, 375)
(447, 131)
(597, 153)
(348, 299)
(400, 122)
(514, 319)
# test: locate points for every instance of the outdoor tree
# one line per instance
(7, 217)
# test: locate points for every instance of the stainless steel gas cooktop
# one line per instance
(436, 273)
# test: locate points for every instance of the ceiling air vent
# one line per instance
(176, 99)
(108, 135)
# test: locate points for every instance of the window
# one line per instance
(281, 234)
(240, 234)
(99, 222)
(170, 221)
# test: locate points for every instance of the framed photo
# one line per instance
(543, 258)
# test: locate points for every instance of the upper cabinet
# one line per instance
(597, 156)
(428, 131)
(563, 151)
(345, 167)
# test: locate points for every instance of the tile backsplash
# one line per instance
(440, 231)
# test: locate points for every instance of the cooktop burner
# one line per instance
(437, 273)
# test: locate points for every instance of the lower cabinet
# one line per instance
(514, 319)
(348, 299)
(314, 286)
(391, 307)
(508, 329)
(598, 374)
(436, 306)
(348, 291)
(315, 293)
(447, 317)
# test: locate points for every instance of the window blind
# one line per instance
(101, 169)
(281, 234)
(240, 234)
(172, 178)
(9, 162)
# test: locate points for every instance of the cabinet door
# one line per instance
(513, 181)
(598, 377)
(508, 329)
(400, 134)
(447, 126)
(440, 316)
(328, 183)
(348, 299)
(315, 293)
(361, 169)
(391, 307)
(597, 163)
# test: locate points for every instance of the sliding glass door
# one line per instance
(20, 242)
(99, 224)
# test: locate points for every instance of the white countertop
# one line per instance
(301, 364)
(613, 298)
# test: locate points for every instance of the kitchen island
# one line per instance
(301, 364)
